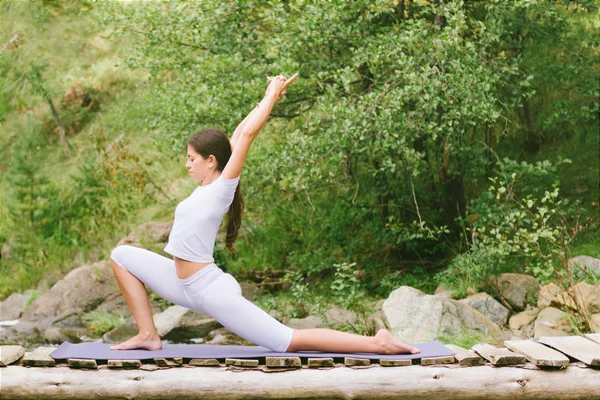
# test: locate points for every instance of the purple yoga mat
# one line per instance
(102, 351)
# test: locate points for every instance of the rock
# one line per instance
(24, 333)
(595, 323)
(415, 317)
(585, 263)
(587, 297)
(551, 295)
(523, 319)
(552, 322)
(150, 231)
(59, 335)
(488, 306)
(81, 290)
(14, 305)
(306, 323)
(121, 333)
(249, 289)
(443, 291)
(339, 316)
(224, 336)
(516, 288)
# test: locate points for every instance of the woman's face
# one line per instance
(199, 166)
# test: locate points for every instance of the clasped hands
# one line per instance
(278, 85)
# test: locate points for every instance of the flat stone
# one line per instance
(395, 363)
(499, 356)
(10, 354)
(356, 362)
(124, 363)
(40, 357)
(166, 362)
(205, 362)
(283, 362)
(82, 363)
(523, 319)
(437, 360)
(320, 362)
(239, 362)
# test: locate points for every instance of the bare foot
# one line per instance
(390, 345)
(148, 342)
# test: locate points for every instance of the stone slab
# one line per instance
(240, 362)
(10, 353)
(165, 362)
(395, 363)
(356, 362)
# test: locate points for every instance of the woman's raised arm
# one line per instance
(252, 124)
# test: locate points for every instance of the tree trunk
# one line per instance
(532, 139)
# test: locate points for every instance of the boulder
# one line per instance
(24, 333)
(595, 323)
(585, 263)
(551, 295)
(14, 305)
(587, 297)
(60, 335)
(306, 323)
(523, 319)
(156, 232)
(339, 316)
(515, 289)
(414, 317)
(488, 306)
(81, 290)
(552, 322)
(443, 291)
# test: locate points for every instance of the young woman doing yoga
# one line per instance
(192, 279)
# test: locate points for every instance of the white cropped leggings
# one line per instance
(209, 290)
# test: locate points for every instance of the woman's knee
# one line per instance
(118, 255)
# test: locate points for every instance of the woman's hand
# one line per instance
(278, 85)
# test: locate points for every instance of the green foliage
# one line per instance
(466, 339)
(418, 278)
(98, 322)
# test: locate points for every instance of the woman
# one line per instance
(193, 280)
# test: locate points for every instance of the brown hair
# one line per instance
(212, 141)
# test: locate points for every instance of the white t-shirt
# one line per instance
(197, 220)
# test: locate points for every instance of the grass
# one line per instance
(101, 322)
(466, 338)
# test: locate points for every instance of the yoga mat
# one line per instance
(102, 351)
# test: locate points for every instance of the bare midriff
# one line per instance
(186, 268)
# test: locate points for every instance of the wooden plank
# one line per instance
(593, 336)
(356, 362)
(124, 363)
(10, 354)
(283, 362)
(395, 363)
(464, 356)
(575, 346)
(205, 362)
(498, 355)
(437, 360)
(320, 362)
(414, 383)
(82, 363)
(169, 362)
(39, 357)
(241, 362)
(538, 354)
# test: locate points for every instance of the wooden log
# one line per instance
(414, 382)
(320, 362)
(498, 356)
(465, 357)
(395, 363)
(10, 354)
(39, 358)
(437, 360)
(538, 354)
(593, 337)
(575, 346)
(283, 362)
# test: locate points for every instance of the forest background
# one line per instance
(424, 142)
